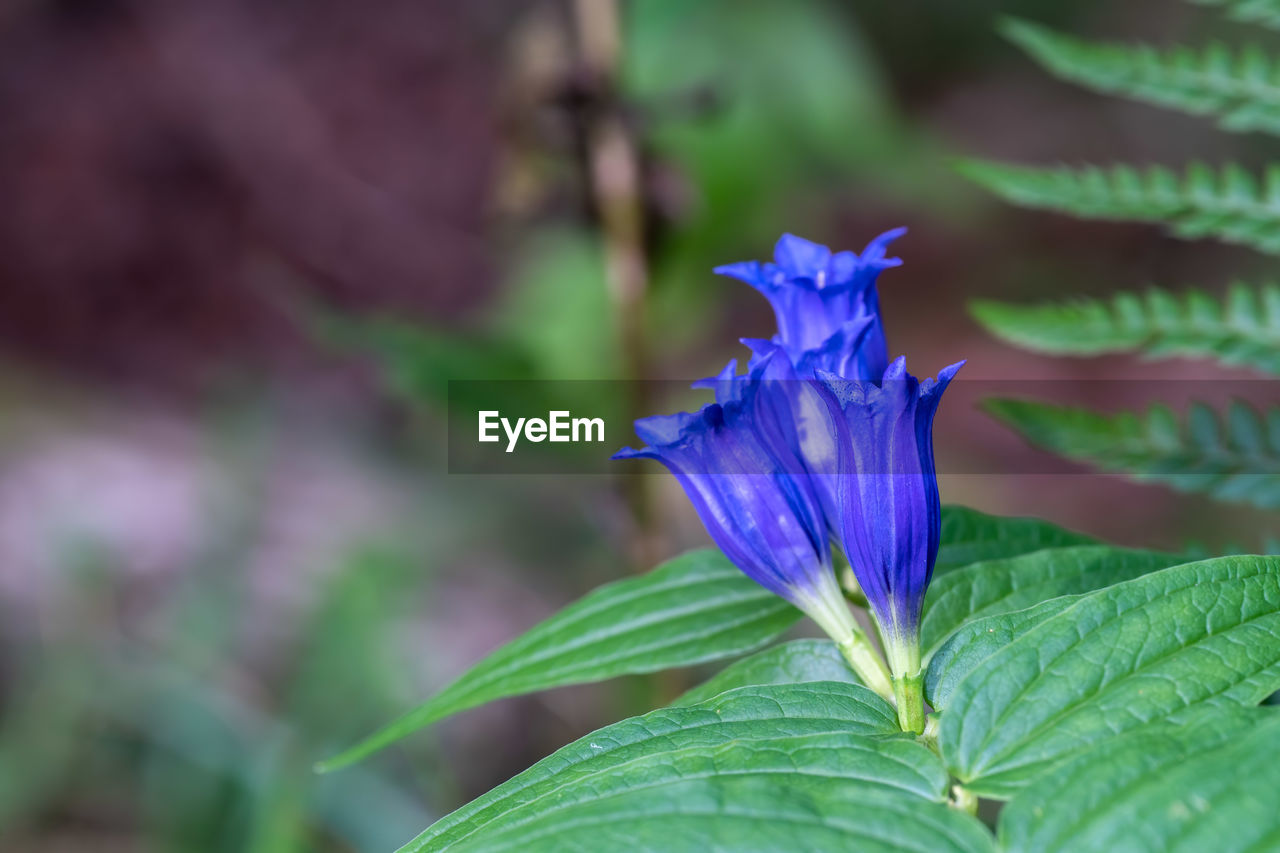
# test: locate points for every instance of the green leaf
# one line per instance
(1001, 586)
(1231, 459)
(1244, 330)
(801, 766)
(978, 639)
(1264, 12)
(811, 805)
(969, 536)
(695, 608)
(1241, 88)
(1227, 204)
(1200, 634)
(1206, 782)
(788, 663)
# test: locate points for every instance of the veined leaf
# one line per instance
(1245, 330)
(801, 766)
(1264, 12)
(1236, 459)
(695, 608)
(1195, 635)
(1001, 586)
(969, 536)
(808, 806)
(1227, 205)
(978, 639)
(1206, 782)
(787, 663)
(1242, 89)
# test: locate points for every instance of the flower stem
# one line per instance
(903, 651)
(908, 693)
(867, 663)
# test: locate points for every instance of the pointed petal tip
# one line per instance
(750, 272)
(896, 369)
(874, 253)
(761, 348)
(726, 374)
(935, 387)
(947, 373)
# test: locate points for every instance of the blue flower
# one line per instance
(890, 517)
(817, 295)
(766, 519)
(795, 418)
(823, 439)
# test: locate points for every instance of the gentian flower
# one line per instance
(823, 439)
(890, 518)
(764, 517)
(816, 293)
(794, 416)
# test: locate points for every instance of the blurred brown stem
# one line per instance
(613, 165)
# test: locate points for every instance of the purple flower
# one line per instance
(817, 295)
(822, 439)
(764, 517)
(889, 516)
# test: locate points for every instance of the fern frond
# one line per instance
(1236, 458)
(1242, 330)
(1228, 205)
(1264, 12)
(1242, 89)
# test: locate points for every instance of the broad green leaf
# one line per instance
(969, 536)
(744, 770)
(1227, 204)
(788, 663)
(978, 639)
(695, 608)
(811, 805)
(1241, 329)
(1199, 634)
(1205, 782)
(1000, 586)
(1238, 87)
(1231, 457)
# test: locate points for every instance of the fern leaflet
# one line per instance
(1228, 205)
(1242, 90)
(1236, 458)
(1243, 330)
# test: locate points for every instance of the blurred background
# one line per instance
(244, 246)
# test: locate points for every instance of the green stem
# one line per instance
(908, 693)
(903, 651)
(867, 663)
